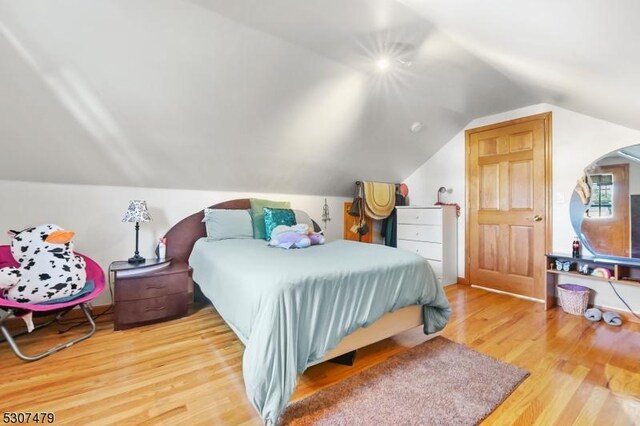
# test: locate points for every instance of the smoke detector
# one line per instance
(416, 127)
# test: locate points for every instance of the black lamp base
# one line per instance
(137, 259)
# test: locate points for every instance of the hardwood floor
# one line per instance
(189, 370)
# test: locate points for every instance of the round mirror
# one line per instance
(605, 206)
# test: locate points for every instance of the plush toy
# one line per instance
(48, 269)
(602, 273)
(296, 236)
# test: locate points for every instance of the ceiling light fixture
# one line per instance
(383, 64)
(404, 62)
(395, 55)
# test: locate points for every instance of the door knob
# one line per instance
(536, 218)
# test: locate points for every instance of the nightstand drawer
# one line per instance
(129, 288)
(133, 313)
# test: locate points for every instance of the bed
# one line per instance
(294, 308)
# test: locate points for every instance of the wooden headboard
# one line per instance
(184, 234)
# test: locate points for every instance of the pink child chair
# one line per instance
(94, 273)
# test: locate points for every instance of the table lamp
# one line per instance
(137, 212)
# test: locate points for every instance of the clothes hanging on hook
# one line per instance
(389, 229)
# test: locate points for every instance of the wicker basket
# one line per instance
(573, 298)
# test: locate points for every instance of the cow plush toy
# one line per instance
(48, 269)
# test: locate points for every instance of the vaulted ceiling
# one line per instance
(284, 95)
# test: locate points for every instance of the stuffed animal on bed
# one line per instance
(48, 268)
(296, 236)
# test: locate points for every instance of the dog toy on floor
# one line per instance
(48, 268)
(612, 318)
(593, 314)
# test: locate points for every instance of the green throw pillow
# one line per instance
(257, 214)
(275, 217)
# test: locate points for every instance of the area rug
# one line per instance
(438, 382)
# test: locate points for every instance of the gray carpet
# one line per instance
(438, 382)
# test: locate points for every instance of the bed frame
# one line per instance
(183, 235)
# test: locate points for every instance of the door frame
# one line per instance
(548, 185)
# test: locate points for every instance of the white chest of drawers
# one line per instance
(432, 232)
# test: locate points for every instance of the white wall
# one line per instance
(95, 214)
(577, 141)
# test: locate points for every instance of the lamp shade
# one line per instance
(137, 212)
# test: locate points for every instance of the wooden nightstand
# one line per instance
(150, 292)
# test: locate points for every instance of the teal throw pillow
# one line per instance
(275, 217)
(257, 214)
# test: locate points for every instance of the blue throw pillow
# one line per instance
(275, 217)
(227, 224)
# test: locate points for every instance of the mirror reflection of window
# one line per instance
(600, 204)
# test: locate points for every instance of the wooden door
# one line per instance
(508, 180)
(606, 224)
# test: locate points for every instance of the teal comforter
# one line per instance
(290, 307)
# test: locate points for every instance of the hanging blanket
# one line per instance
(380, 199)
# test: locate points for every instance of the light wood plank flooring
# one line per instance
(189, 371)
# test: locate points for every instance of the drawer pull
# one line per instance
(155, 287)
(154, 308)
(417, 217)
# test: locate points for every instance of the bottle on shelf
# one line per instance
(575, 252)
(161, 250)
